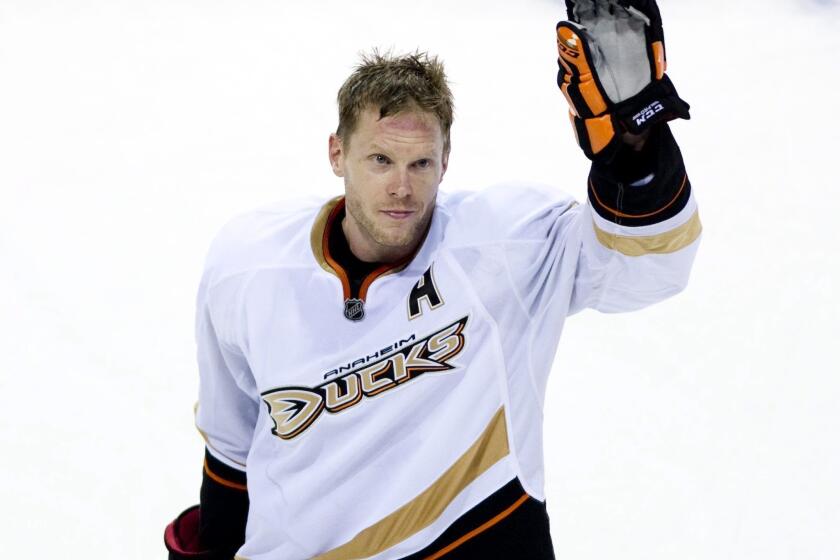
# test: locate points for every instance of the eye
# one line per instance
(423, 163)
(380, 159)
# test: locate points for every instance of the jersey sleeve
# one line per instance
(639, 230)
(631, 244)
(228, 403)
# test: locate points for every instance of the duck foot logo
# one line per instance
(294, 409)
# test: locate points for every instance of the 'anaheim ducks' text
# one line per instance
(295, 409)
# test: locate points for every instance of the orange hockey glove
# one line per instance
(612, 72)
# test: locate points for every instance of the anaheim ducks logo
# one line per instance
(295, 409)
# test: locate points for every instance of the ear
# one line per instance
(336, 152)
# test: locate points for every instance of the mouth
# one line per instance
(398, 214)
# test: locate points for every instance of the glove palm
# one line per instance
(612, 72)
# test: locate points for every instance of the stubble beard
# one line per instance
(394, 243)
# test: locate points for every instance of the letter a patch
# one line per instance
(424, 289)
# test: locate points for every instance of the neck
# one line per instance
(367, 249)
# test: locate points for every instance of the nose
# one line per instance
(401, 186)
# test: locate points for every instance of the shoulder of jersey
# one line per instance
(501, 212)
(276, 235)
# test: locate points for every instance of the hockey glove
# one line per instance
(612, 72)
(181, 538)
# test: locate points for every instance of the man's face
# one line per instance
(391, 168)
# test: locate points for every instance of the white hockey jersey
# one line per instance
(365, 439)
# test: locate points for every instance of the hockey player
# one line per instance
(373, 367)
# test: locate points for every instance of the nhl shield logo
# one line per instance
(354, 309)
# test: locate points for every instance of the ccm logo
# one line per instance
(645, 114)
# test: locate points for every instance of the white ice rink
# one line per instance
(707, 427)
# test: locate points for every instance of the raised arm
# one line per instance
(640, 242)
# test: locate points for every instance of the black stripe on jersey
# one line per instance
(612, 196)
(224, 507)
(508, 524)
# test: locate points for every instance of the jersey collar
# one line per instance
(319, 239)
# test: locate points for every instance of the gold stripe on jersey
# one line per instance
(668, 242)
(207, 440)
(422, 511)
(316, 237)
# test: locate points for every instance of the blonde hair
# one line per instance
(395, 83)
